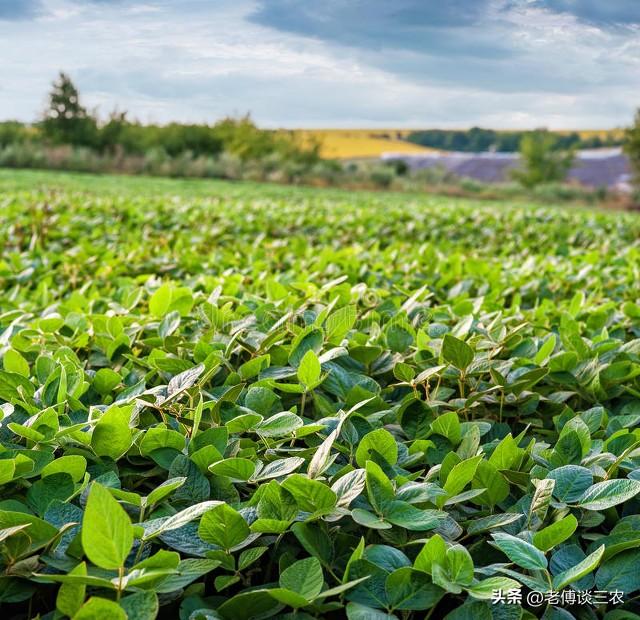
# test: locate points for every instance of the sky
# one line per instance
(561, 64)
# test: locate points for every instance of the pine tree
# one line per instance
(66, 120)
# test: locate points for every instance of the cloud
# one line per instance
(501, 63)
(599, 12)
(19, 9)
(494, 45)
(411, 25)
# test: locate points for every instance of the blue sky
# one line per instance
(333, 63)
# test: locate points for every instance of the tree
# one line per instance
(66, 121)
(632, 148)
(541, 161)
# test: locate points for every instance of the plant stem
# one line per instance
(120, 578)
(303, 402)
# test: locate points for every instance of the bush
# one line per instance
(541, 162)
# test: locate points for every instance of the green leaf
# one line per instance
(578, 571)
(571, 482)
(621, 572)
(160, 301)
(112, 436)
(459, 476)
(314, 540)
(141, 606)
(14, 362)
(520, 552)
(303, 577)
(399, 338)
(7, 470)
(603, 495)
(459, 565)
(377, 443)
(408, 589)
(71, 595)
(55, 487)
(545, 350)
(107, 533)
(370, 520)
(489, 478)
(39, 531)
(279, 425)
(484, 524)
(234, 468)
(100, 608)
(223, 526)
(164, 490)
(105, 380)
(221, 582)
(411, 518)
(254, 367)
(187, 571)
(541, 499)
(505, 454)
(433, 552)
(310, 495)
(249, 605)
(73, 464)
(355, 611)
(184, 380)
(456, 352)
(339, 323)
(309, 339)
(448, 425)
(309, 370)
(249, 556)
(288, 597)
(160, 437)
(556, 533)
(379, 487)
(485, 589)
(157, 527)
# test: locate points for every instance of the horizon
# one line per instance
(499, 64)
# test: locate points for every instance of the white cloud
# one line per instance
(197, 63)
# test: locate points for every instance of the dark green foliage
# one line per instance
(541, 161)
(14, 133)
(239, 402)
(66, 120)
(476, 140)
(118, 133)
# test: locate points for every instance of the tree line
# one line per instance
(71, 137)
(66, 121)
(478, 140)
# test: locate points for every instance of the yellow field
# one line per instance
(358, 143)
(372, 143)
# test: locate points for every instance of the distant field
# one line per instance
(370, 143)
(601, 133)
(359, 143)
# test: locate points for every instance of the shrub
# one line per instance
(540, 161)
